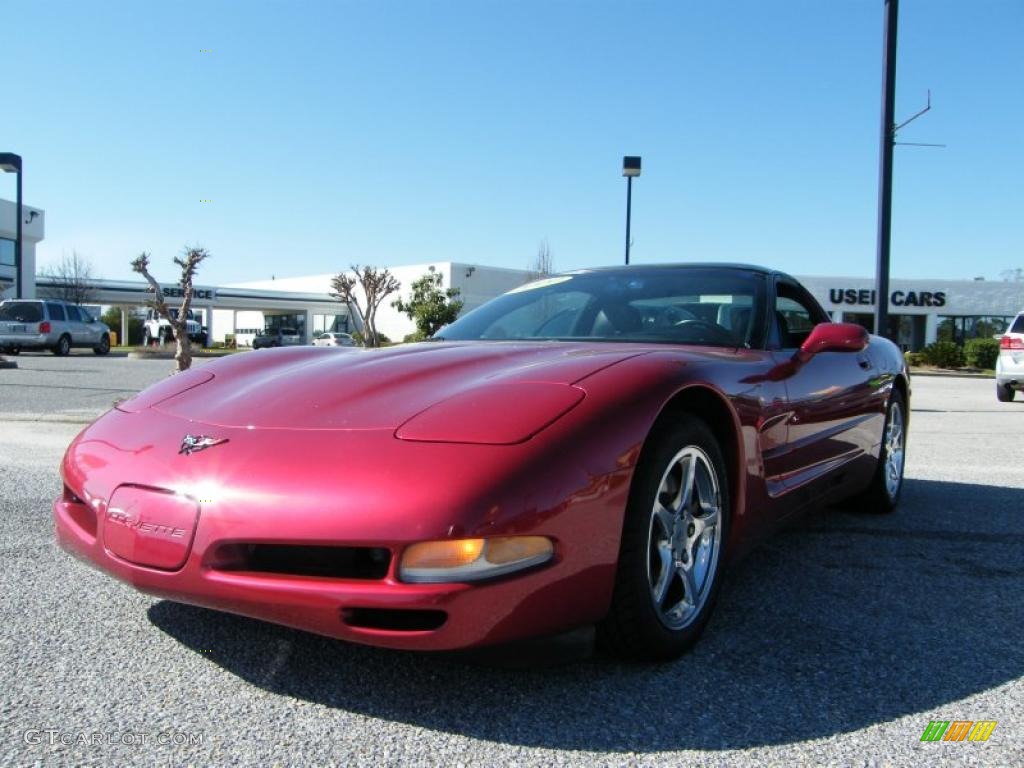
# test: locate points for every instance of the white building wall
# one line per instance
(32, 232)
(477, 284)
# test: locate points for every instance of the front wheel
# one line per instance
(1004, 393)
(671, 554)
(103, 347)
(883, 494)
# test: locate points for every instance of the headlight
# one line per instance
(483, 416)
(472, 559)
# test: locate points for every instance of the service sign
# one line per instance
(174, 291)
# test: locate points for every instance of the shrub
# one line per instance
(981, 353)
(944, 354)
(914, 359)
(382, 340)
(112, 317)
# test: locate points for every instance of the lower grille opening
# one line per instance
(304, 560)
(394, 619)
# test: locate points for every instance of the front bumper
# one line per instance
(571, 590)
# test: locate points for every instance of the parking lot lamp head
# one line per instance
(630, 168)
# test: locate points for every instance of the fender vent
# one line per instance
(395, 620)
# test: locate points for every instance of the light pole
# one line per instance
(11, 163)
(630, 168)
(885, 169)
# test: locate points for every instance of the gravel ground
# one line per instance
(835, 643)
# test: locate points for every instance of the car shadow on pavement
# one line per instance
(843, 621)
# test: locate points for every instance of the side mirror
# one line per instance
(833, 337)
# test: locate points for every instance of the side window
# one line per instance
(73, 315)
(56, 311)
(1018, 324)
(795, 315)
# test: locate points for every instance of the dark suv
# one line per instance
(49, 324)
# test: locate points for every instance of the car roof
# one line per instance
(687, 265)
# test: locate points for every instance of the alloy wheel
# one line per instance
(684, 538)
(894, 450)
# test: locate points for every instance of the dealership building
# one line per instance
(921, 310)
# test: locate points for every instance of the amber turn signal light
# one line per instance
(456, 560)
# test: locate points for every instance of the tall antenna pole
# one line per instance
(885, 170)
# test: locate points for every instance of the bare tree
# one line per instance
(1015, 275)
(544, 263)
(189, 262)
(72, 280)
(376, 286)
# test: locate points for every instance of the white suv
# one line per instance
(1010, 365)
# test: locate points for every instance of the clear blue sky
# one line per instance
(398, 132)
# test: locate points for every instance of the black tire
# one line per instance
(636, 627)
(878, 497)
(146, 338)
(103, 347)
(63, 346)
(1005, 393)
(12, 351)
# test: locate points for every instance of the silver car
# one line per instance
(333, 340)
(49, 324)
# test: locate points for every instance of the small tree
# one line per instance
(430, 306)
(1014, 275)
(376, 285)
(72, 280)
(189, 262)
(543, 263)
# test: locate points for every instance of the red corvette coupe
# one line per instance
(591, 448)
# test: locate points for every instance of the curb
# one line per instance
(951, 374)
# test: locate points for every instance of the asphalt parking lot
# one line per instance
(835, 643)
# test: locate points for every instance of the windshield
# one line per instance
(675, 305)
(21, 311)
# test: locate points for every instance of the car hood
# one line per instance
(349, 389)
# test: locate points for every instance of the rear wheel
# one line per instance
(671, 554)
(63, 346)
(1004, 393)
(12, 351)
(103, 347)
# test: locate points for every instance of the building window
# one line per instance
(960, 328)
(329, 324)
(6, 252)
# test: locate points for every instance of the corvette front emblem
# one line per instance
(192, 443)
